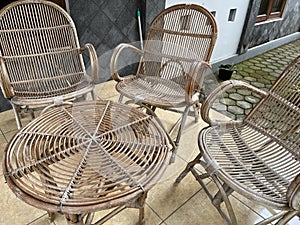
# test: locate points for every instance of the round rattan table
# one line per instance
(80, 158)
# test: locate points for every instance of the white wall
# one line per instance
(228, 32)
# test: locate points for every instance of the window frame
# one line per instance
(271, 15)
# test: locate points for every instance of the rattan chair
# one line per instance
(173, 62)
(41, 60)
(258, 157)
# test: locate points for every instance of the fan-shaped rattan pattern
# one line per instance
(258, 157)
(178, 47)
(40, 54)
(85, 157)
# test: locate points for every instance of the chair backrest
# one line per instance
(176, 37)
(278, 115)
(39, 50)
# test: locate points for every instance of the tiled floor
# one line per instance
(185, 203)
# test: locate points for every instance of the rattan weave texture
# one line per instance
(86, 157)
(40, 55)
(258, 157)
(173, 62)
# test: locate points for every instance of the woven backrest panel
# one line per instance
(39, 45)
(176, 37)
(278, 115)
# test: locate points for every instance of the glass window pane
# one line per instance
(263, 7)
(276, 7)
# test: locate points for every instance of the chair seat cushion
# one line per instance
(250, 162)
(153, 90)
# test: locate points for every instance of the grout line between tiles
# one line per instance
(179, 207)
(2, 133)
(250, 208)
(36, 219)
(155, 212)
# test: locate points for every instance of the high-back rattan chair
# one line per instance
(258, 157)
(177, 50)
(41, 59)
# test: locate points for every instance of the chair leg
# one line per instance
(272, 218)
(287, 217)
(51, 216)
(223, 197)
(74, 219)
(17, 115)
(141, 202)
(196, 107)
(182, 123)
(181, 126)
(93, 95)
(120, 98)
(218, 198)
(89, 218)
(188, 168)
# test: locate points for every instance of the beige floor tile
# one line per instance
(3, 144)
(172, 171)
(43, 220)
(199, 210)
(9, 135)
(106, 90)
(13, 210)
(4, 140)
(294, 221)
(188, 146)
(263, 211)
(129, 216)
(165, 197)
(7, 121)
(244, 214)
(247, 212)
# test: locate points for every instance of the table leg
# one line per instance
(74, 219)
(141, 203)
(51, 216)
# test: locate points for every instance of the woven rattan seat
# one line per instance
(173, 62)
(258, 157)
(40, 55)
(77, 159)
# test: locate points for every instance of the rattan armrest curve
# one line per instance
(293, 193)
(7, 89)
(221, 88)
(93, 59)
(192, 80)
(114, 59)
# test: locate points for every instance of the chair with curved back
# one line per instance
(41, 60)
(258, 157)
(176, 54)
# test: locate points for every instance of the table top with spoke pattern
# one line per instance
(86, 156)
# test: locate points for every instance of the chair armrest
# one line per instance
(196, 77)
(93, 58)
(6, 87)
(293, 193)
(114, 59)
(224, 86)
